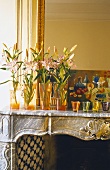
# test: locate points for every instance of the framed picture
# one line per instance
(88, 85)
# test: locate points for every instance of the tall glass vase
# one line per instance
(45, 90)
(61, 98)
(14, 97)
(29, 97)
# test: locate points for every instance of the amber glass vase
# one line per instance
(45, 90)
(14, 97)
(61, 98)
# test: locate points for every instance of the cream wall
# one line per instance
(92, 39)
(8, 25)
(7, 36)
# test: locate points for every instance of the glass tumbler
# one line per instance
(105, 106)
(86, 106)
(75, 105)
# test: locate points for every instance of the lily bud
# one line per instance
(16, 46)
(48, 50)
(64, 50)
(73, 48)
(55, 50)
(71, 56)
(27, 54)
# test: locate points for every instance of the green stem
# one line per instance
(15, 85)
(15, 96)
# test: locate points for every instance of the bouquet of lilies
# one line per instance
(62, 65)
(29, 68)
(43, 65)
(46, 68)
(10, 62)
(61, 70)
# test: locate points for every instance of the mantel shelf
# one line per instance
(16, 123)
(52, 113)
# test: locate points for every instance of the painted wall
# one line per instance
(7, 36)
(8, 25)
(92, 38)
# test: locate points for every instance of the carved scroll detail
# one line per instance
(98, 128)
(5, 156)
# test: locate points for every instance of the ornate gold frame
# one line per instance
(40, 17)
(41, 23)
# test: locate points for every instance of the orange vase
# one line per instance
(62, 98)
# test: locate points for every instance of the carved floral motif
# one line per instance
(97, 128)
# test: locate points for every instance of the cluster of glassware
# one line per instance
(94, 106)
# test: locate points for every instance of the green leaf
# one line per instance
(5, 82)
(3, 68)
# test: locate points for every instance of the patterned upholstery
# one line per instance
(30, 153)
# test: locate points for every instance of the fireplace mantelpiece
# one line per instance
(16, 123)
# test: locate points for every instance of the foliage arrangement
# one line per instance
(11, 62)
(44, 68)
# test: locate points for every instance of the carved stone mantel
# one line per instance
(85, 126)
(15, 123)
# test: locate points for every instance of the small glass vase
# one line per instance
(29, 97)
(45, 90)
(14, 98)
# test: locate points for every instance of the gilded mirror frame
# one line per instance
(37, 18)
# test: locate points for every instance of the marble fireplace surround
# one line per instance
(16, 123)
